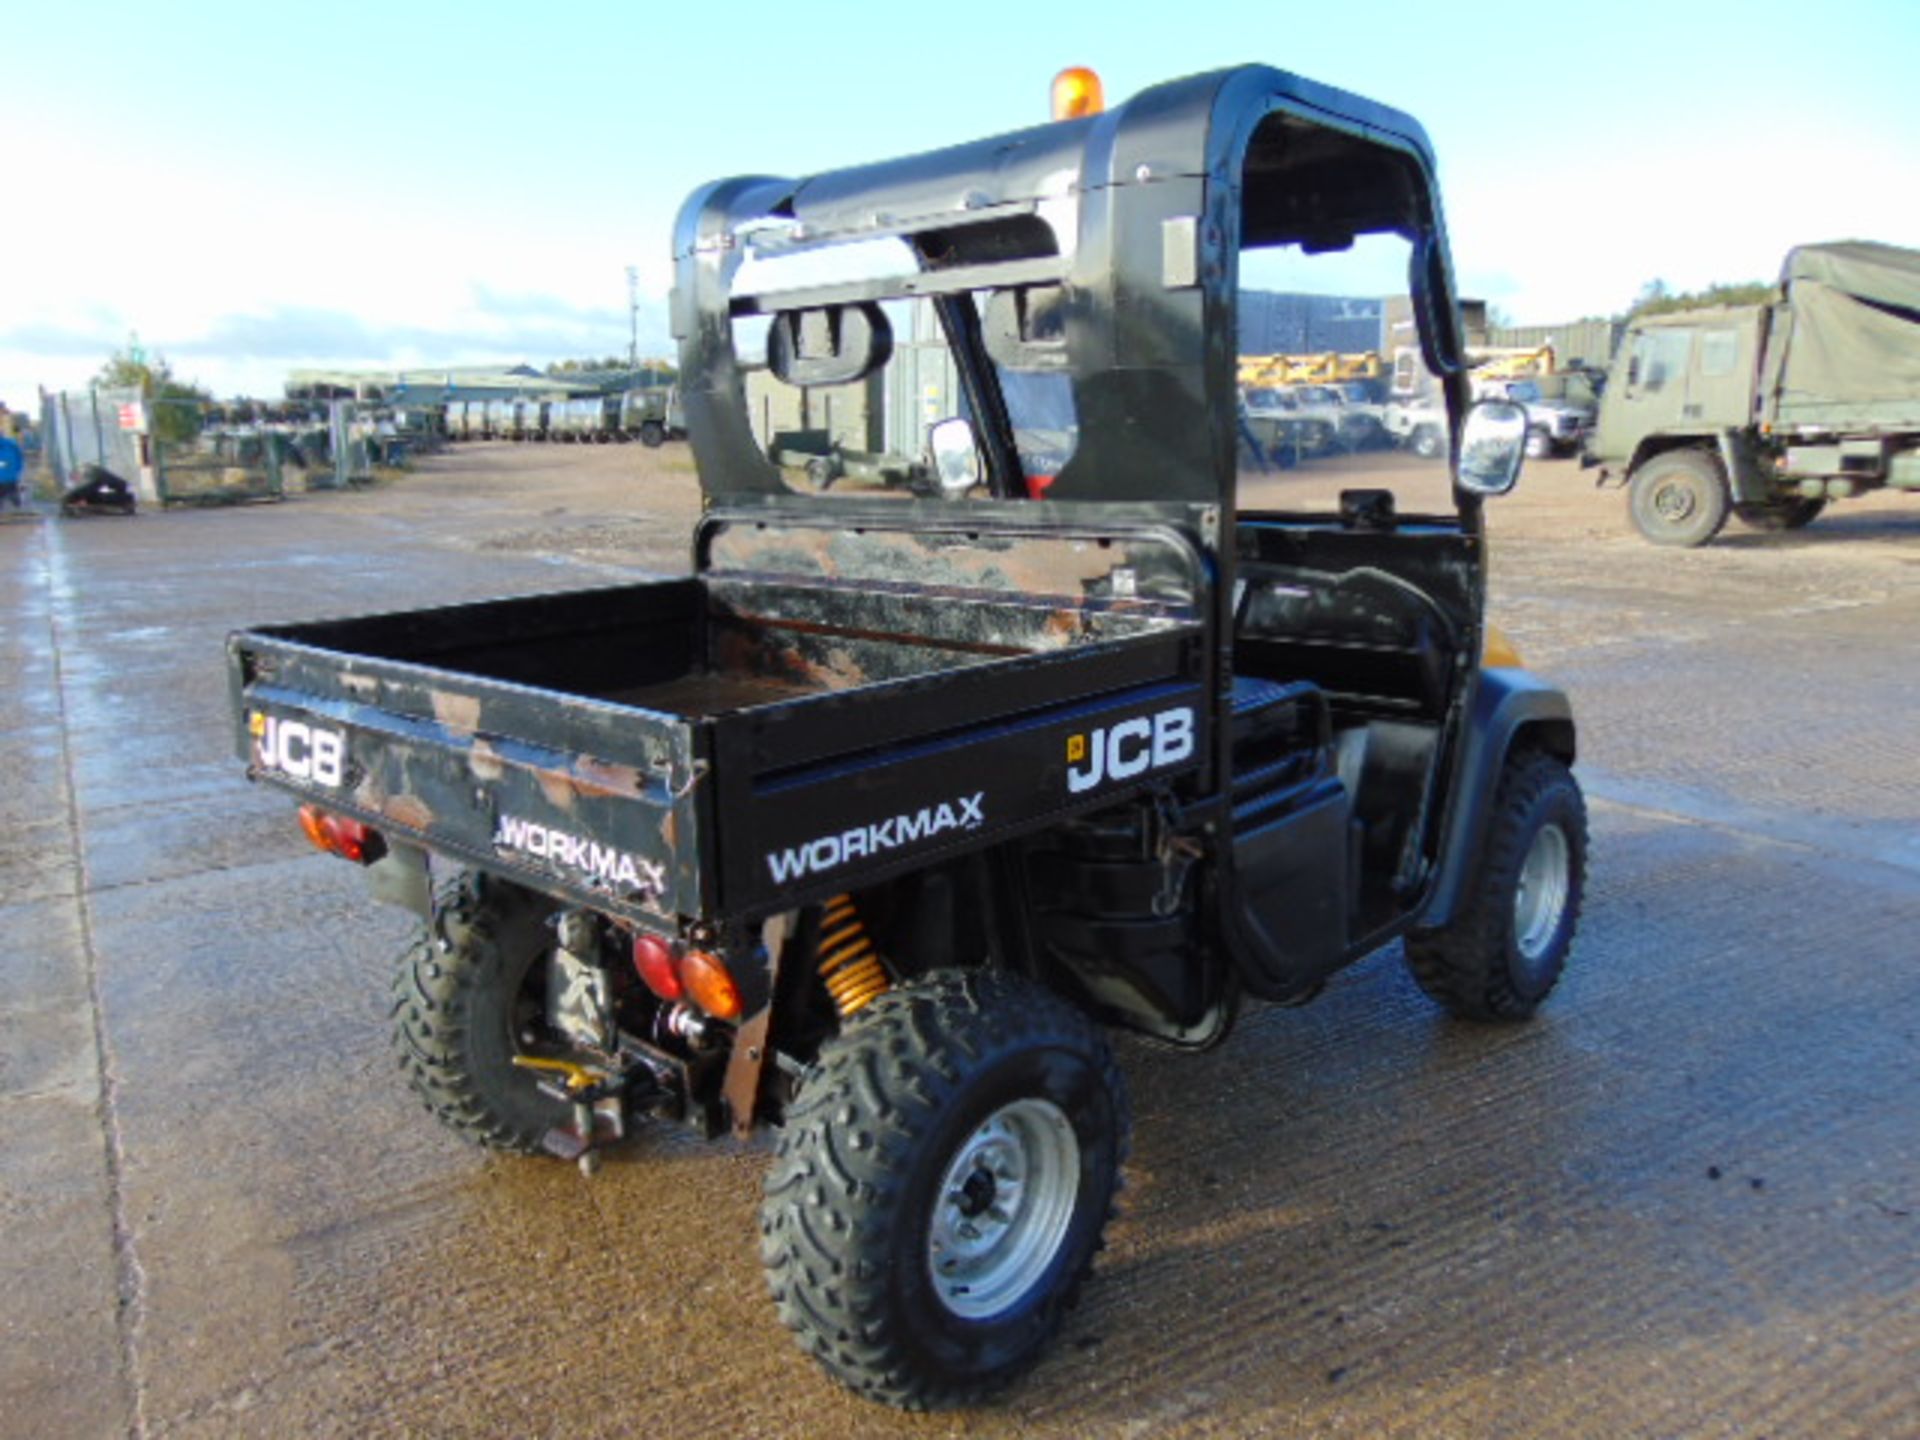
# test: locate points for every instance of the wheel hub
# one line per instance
(1540, 899)
(976, 1197)
(1673, 503)
(1003, 1208)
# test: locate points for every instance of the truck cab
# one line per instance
(1680, 376)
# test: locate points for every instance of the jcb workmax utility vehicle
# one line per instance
(869, 827)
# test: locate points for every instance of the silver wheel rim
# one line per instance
(1541, 898)
(1003, 1208)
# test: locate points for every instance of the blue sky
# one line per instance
(253, 188)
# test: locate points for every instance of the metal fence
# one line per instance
(198, 464)
(97, 426)
(184, 452)
(351, 435)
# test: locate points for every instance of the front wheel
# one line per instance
(943, 1182)
(1504, 951)
(1679, 498)
(652, 434)
(1427, 442)
(1539, 444)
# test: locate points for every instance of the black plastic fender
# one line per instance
(1509, 706)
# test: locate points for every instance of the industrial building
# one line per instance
(441, 384)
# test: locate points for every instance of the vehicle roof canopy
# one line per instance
(1864, 269)
(1851, 356)
(1101, 206)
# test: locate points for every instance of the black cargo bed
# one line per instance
(696, 730)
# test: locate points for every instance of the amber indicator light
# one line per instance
(1077, 92)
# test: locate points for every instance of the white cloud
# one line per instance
(1711, 206)
(239, 277)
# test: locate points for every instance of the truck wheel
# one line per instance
(467, 1000)
(1780, 515)
(1507, 945)
(652, 434)
(1426, 442)
(1679, 498)
(946, 1172)
(1539, 444)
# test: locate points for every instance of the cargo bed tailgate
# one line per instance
(603, 805)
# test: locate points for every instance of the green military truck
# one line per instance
(1766, 412)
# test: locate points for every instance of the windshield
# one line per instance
(1524, 391)
(1329, 320)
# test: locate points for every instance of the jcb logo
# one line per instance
(298, 750)
(1130, 748)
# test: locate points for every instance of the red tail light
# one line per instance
(657, 966)
(337, 835)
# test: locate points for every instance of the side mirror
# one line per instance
(956, 459)
(834, 345)
(1492, 442)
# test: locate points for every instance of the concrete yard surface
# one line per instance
(1684, 1201)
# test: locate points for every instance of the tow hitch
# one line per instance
(599, 1101)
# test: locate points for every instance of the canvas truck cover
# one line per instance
(1848, 353)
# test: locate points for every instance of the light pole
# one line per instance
(633, 321)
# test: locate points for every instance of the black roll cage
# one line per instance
(1155, 195)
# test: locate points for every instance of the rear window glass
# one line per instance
(1046, 427)
(869, 435)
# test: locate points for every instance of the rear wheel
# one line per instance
(943, 1182)
(1427, 442)
(1506, 947)
(1779, 514)
(1679, 498)
(469, 996)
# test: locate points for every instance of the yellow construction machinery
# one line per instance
(1320, 369)
(1511, 362)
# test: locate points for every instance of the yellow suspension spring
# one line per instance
(854, 976)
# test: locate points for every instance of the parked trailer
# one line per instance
(584, 420)
(652, 415)
(530, 419)
(496, 419)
